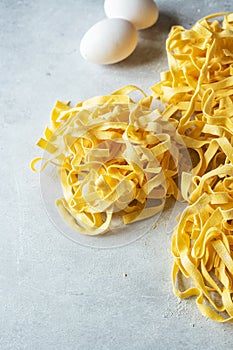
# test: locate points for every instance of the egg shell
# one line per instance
(142, 13)
(109, 41)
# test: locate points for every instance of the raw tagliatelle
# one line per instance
(202, 245)
(120, 159)
(198, 93)
(115, 161)
(198, 88)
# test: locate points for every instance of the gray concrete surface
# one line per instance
(55, 294)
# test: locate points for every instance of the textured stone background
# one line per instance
(55, 294)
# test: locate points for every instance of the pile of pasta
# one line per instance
(202, 245)
(198, 93)
(117, 160)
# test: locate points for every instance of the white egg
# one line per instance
(142, 13)
(109, 41)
